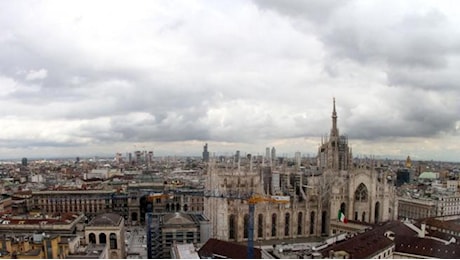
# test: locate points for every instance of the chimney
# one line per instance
(422, 231)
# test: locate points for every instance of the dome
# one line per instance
(429, 175)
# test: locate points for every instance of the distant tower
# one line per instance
(118, 158)
(130, 158)
(205, 153)
(408, 162)
(237, 156)
(138, 156)
(150, 158)
(267, 156)
(24, 162)
(297, 159)
(273, 156)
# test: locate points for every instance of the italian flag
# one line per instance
(342, 217)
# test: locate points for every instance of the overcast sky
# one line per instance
(83, 78)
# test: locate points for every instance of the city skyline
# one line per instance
(84, 78)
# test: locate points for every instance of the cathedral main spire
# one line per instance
(334, 130)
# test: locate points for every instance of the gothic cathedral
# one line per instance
(317, 192)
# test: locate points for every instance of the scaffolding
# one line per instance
(154, 237)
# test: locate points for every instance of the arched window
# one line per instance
(260, 226)
(134, 216)
(287, 221)
(231, 227)
(273, 224)
(299, 223)
(246, 225)
(177, 207)
(185, 207)
(324, 222)
(92, 238)
(377, 212)
(361, 193)
(363, 219)
(312, 223)
(113, 241)
(102, 238)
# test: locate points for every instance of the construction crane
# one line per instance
(252, 200)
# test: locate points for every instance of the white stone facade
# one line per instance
(363, 192)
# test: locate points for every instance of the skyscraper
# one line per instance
(267, 155)
(24, 161)
(205, 153)
(273, 157)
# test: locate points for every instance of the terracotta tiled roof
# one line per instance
(426, 247)
(405, 240)
(453, 225)
(226, 249)
(362, 245)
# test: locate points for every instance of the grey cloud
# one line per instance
(170, 127)
(445, 79)
(315, 10)
(423, 44)
(28, 143)
(381, 35)
(411, 114)
(253, 73)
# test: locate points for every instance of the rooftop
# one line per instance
(223, 249)
(433, 244)
(106, 219)
(185, 251)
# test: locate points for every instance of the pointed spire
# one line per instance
(334, 112)
(334, 131)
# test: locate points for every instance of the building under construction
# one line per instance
(165, 229)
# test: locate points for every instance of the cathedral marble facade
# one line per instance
(363, 192)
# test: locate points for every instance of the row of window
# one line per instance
(103, 239)
(274, 224)
(86, 208)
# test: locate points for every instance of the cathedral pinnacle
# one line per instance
(334, 131)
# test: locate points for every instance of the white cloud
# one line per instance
(36, 74)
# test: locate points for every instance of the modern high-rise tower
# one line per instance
(205, 153)
(267, 155)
